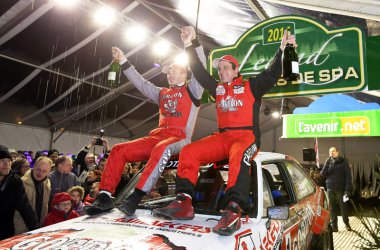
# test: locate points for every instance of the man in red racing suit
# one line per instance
(178, 109)
(238, 105)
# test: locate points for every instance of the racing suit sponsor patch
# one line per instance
(238, 89)
(229, 104)
(220, 90)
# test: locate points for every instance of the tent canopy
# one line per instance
(54, 60)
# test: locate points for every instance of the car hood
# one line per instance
(114, 230)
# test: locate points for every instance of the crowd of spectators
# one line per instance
(47, 187)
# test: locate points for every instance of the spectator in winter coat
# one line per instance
(77, 195)
(12, 198)
(62, 178)
(61, 209)
(37, 187)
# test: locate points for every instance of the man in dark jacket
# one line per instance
(339, 184)
(12, 198)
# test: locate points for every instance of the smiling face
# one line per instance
(176, 75)
(226, 72)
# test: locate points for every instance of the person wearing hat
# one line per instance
(178, 109)
(237, 105)
(13, 197)
(61, 209)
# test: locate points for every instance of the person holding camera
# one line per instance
(85, 160)
(178, 108)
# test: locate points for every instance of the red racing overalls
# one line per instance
(178, 109)
(238, 139)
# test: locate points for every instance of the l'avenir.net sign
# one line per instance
(331, 60)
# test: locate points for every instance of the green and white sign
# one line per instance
(331, 60)
(335, 124)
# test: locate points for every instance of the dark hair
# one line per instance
(17, 165)
(52, 151)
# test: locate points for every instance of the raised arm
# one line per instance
(197, 60)
(266, 80)
(147, 88)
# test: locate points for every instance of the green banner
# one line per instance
(331, 60)
(335, 124)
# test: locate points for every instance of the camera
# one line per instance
(99, 140)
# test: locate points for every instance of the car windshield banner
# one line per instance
(335, 124)
(331, 60)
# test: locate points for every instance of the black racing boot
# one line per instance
(102, 203)
(130, 205)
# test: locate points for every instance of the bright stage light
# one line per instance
(161, 48)
(135, 34)
(66, 3)
(182, 59)
(105, 16)
(276, 114)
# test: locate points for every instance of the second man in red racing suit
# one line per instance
(238, 108)
(178, 109)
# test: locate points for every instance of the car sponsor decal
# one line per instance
(273, 236)
(53, 240)
(244, 241)
(166, 226)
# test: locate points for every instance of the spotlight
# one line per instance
(19, 122)
(182, 59)
(104, 16)
(161, 48)
(135, 34)
(276, 114)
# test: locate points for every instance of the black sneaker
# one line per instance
(335, 229)
(230, 221)
(130, 205)
(102, 203)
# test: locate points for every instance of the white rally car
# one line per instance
(286, 211)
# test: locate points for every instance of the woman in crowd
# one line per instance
(20, 166)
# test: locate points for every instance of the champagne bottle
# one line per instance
(290, 66)
(114, 73)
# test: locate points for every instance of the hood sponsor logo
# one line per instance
(160, 242)
(220, 90)
(166, 226)
(59, 239)
(229, 104)
(238, 89)
(244, 241)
